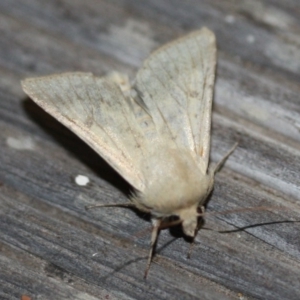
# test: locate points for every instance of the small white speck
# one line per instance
(94, 254)
(20, 143)
(250, 39)
(230, 19)
(82, 180)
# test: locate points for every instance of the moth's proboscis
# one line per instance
(154, 132)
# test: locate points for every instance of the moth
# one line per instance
(154, 132)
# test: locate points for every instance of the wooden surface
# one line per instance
(51, 248)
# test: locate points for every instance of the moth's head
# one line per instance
(189, 226)
(189, 215)
(189, 218)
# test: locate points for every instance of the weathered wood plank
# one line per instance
(51, 248)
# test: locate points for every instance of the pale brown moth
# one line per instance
(155, 132)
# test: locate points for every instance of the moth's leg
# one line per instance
(128, 204)
(199, 225)
(155, 229)
(222, 161)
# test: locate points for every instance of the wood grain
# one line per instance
(51, 248)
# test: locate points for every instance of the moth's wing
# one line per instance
(176, 85)
(98, 112)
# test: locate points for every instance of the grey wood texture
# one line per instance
(51, 248)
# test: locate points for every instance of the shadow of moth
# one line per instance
(154, 132)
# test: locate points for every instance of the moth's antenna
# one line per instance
(128, 204)
(231, 211)
(223, 160)
(238, 210)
